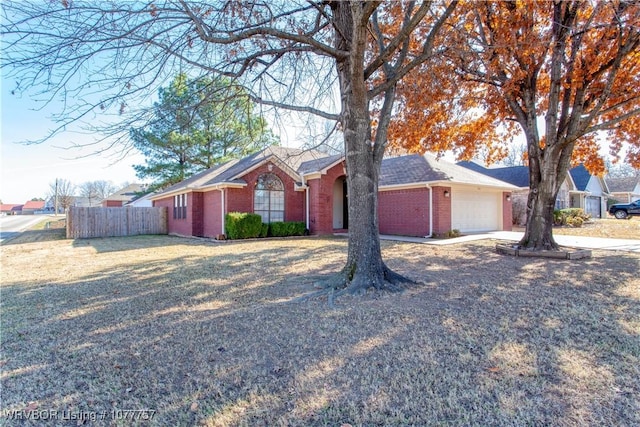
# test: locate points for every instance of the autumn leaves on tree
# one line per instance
(562, 73)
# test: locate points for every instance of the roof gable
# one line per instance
(581, 177)
(291, 160)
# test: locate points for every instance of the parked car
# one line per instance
(625, 210)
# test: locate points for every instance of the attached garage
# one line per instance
(475, 210)
(592, 206)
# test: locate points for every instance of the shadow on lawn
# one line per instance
(205, 338)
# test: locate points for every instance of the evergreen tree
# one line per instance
(196, 124)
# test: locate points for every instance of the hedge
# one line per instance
(238, 225)
(283, 229)
(573, 217)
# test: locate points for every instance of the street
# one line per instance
(12, 225)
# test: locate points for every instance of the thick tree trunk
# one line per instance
(538, 234)
(365, 267)
(547, 170)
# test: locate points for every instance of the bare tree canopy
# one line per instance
(339, 60)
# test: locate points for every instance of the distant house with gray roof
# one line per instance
(124, 196)
(418, 195)
(580, 189)
(624, 189)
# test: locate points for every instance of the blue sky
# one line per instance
(26, 171)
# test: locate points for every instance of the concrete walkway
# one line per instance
(629, 245)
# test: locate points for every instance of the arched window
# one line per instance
(268, 198)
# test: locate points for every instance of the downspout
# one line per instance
(306, 202)
(430, 212)
(222, 209)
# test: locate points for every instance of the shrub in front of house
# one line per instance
(574, 221)
(573, 217)
(289, 228)
(264, 231)
(242, 225)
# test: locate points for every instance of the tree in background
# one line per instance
(96, 191)
(61, 194)
(196, 124)
(295, 55)
(560, 72)
(621, 170)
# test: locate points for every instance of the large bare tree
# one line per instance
(295, 55)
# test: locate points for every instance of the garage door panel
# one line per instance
(475, 211)
(592, 206)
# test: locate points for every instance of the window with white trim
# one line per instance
(268, 198)
(180, 206)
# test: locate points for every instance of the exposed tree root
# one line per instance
(347, 283)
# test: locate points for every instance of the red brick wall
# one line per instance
(212, 224)
(321, 200)
(441, 210)
(507, 211)
(404, 212)
(195, 207)
(111, 203)
(241, 199)
(181, 227)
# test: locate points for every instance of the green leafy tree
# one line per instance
(196, 124)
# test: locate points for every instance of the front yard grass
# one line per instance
(203, 333)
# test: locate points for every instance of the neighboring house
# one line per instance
(579, 189)
(10, 209)
(82, 202)
(591, 192)
(122, 197)
(141, 202)
(418, 195)
(624, 190)
(33, 206)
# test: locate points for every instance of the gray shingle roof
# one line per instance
(231, 171)
(580, 176)
(318, 165)
(415, 168)
(407, 170)
(402, 170)
(623, 184)
(128, 193)
(514, 175)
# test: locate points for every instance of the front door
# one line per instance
(340, 204)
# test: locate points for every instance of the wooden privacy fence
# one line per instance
(112, 222)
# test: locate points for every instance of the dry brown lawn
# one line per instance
(606, 227)
(203, 333)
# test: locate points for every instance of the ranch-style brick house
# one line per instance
(418, 195)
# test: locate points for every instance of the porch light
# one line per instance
(508, 197)
(446, 193)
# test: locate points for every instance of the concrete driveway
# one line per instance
(582, 242)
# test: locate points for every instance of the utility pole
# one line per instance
(55, 200)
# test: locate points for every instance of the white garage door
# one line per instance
(475, 210)
(592, 206)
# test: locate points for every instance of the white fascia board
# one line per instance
(408, 186)
(312, 175)
(161, 196)
(496, 187)
(222, 185)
